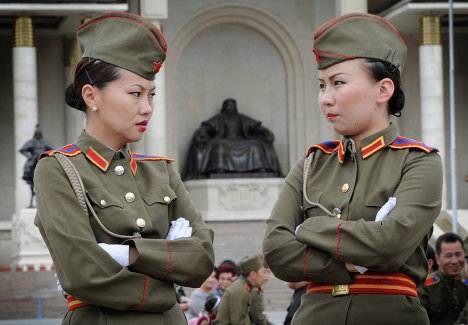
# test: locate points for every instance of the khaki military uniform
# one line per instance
(256, 307)
(234, 308)
(148, 188)
(359, 183)
(444, 297)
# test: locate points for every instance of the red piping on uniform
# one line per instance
(339, 239)
(162, 47)
(305, 263)
(170, 259)
(144, 293)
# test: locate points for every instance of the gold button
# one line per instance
(345, 188)
(167, 199)
(119, 170)
(103, 203)
(130, 197)
(141, 223)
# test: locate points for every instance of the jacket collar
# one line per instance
(99, 154)
(369, 145)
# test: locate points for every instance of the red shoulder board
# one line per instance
(430, 281)
(134, 157)
(139, 157)
(403, 143)
(69, 150)
(327, 147)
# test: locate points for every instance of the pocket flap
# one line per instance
(160, 194)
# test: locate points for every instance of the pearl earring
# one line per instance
(94, 108)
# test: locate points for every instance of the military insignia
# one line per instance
(97, 159)
(247, 287)
(431, 281)
(403, 143)
(134, 157)
(327, 147)
(375, 146)
(69, 150)
(157, 66)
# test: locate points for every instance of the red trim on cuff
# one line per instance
(339, 239)
(144, 293)
(170, 260)
(305, 263)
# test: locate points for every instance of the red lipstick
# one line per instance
(142, 125)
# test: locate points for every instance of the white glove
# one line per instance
(59, 286)
(179, 229)
(381, 214)
(120, 253)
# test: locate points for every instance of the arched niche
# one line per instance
(241, 53)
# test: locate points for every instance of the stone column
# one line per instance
(25, 101)
(347, 6)
(74, 119)
(432, 88)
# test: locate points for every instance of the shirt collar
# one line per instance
(369, 145)
(99, 154)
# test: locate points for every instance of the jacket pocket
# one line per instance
(162, 194)
(103, 198)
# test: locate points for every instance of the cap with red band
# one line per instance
(358, 35)
(124, 39)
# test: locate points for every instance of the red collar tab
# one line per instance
(69, 150)
(402, 143)
(372, 148)
(157, 66)
(247, 287)
(97, 159)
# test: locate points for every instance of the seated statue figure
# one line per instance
(232, 145)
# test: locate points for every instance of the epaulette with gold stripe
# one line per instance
(431, 281)
(69, 150)
(402, 143)
(327, 147)
(134, 157)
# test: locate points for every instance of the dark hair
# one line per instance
(211, 302)
(382, 69)
(225, 268)
(93, 72)
(430, 255)
(448, 237)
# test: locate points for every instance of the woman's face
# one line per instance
(125, 107)
(350, 99)
(225, 280)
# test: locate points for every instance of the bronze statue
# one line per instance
(232, 145)
(32, 149)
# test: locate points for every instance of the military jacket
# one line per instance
(234, 306)
(122, 187)
(257, 306)
(444, 298)
(358, 182)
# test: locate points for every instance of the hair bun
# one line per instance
(73, 100)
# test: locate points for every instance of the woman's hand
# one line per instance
(350, 267)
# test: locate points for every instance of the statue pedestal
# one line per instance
(235, 198)
(29, 249)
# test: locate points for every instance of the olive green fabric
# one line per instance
(322, 243)
(124, 39)
(463, 317)
(444, 299)
(250, 263)
(143, 292)
(234, 306)
(256, 308)
(358, 35)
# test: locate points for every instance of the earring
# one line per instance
(94, 108)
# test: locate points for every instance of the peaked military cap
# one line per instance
(250, 263)
(124, 39)
(358, 35)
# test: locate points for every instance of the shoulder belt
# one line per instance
(403, 143)
(431, 281)
(327, 147)
(69, 150)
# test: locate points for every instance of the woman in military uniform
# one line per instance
(355, 215)
(119, 266)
